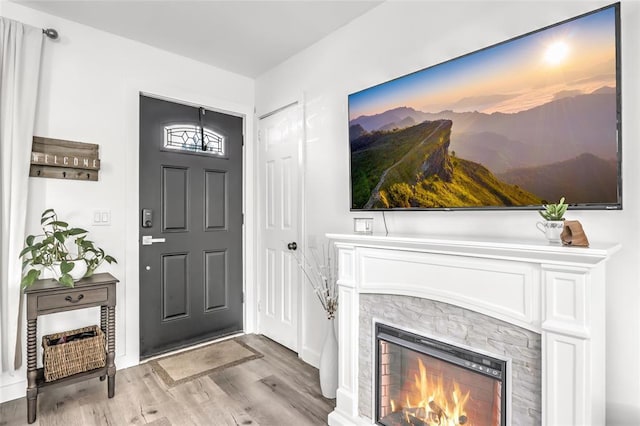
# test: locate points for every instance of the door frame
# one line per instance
(128, 293)
(302, 225)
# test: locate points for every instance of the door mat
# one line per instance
(194, 363)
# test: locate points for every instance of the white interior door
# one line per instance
(279, 183)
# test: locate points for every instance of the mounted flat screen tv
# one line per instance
(515, 125)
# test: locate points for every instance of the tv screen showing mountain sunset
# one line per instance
(518, 124)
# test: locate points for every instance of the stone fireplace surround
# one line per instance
(460, 327)
(522, 289)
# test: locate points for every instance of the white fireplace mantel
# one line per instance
(556, 291)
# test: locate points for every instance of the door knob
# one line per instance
(292, 246)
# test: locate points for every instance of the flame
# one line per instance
(430, 402)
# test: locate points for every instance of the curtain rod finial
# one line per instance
(51, 33)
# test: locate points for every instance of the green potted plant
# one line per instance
(554, 211)
(552, 227)
(61, 249)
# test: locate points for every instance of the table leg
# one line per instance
(32, 390)
(111, 350)
(103, 326)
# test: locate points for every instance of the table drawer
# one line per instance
(72, 299)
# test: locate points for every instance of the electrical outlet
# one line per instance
(363, 225)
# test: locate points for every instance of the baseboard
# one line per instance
(123, 362)
(12, 386)
(336, 418)
(310, 356)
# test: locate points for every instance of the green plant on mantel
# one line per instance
(554, 211)
(49, 250)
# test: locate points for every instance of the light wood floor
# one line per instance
(277, 390)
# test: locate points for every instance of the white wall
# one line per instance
(400, 37)
(89, 90)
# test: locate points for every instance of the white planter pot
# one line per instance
(78, 271)
(552, 229)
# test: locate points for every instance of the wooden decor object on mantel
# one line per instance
(60, 159)
(573, 234)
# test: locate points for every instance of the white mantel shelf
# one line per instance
(508, 249)
(556, 291)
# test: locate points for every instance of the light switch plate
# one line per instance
(101, 218)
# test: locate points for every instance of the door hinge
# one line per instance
(242, 298)
(243, 218)
(259, 308)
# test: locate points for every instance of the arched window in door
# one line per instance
(189, 137)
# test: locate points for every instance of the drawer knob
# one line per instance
(70, 299)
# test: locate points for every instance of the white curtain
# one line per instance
(20, 53)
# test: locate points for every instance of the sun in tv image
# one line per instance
(518, 124)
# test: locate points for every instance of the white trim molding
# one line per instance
(552, 290)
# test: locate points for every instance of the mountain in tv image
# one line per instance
(413, 167)
(405, 158)
(582, 179)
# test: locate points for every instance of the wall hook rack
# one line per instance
(60, 159)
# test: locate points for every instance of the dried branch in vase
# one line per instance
(319, 270)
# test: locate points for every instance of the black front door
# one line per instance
(190, 225)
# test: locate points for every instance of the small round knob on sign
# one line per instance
(292, 246)
(148, 268)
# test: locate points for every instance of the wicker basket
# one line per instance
(77, 356)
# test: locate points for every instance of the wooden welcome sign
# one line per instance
(59, 159)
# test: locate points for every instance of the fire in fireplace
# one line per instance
(424, 382)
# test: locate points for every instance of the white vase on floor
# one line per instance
(329, 363)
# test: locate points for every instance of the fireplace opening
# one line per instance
(424, 382)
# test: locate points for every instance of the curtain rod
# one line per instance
(51, 33)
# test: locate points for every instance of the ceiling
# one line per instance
(245, 37)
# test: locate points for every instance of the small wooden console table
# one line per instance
(47, 297)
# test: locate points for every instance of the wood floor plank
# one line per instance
(302, 402)
(261, 404)
(275, 390)
(286, 363)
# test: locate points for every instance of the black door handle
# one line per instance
(292, 246)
